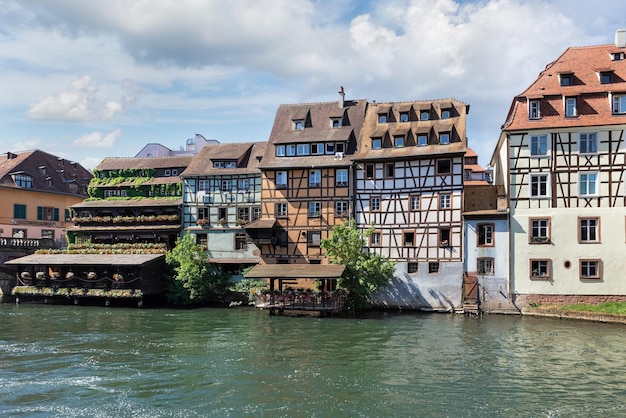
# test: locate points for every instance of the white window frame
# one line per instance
(536, 142)
(280, 183)
(375, 203)
(545, 195)
(315, 178)
(291, 150)
(619, 104)
(534, 109)
(485, 266)
(541, 268)
(586, 181)
(315, 209)
(303, 149)
(341, 177)
(585, 267)
(422, 140)
(280, 150)
(445, 201)
(588, 141)
(444, 138)
(414, 203)
(588, 230)
(398, 142)
(571, 110)
(377, 143)
(341, 208)
(298, 124)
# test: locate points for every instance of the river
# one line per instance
(80, 361)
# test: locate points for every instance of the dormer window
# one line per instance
(298, 124)
(330, 148)
(43, 170)
(280, 150)
(534, 109)
(335, 122)
(617, 56)
(317, 149)
(606, 77)
(382, 118)
(445, 114)
(422, 140)
(168, 173)
(570, 107)
(377, 143)
(404, 116)
(340, 147)
(304, 149)
(567, 79)
(23, 181)
(424, 115)
(398, 142)
(291, 150)
(444, 138)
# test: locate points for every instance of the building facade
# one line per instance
(561, 160)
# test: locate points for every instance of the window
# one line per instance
(174, 172)
(168, 173)
(588, 143)
(589, 230)
(485, 266)
(589, 269)
(606, 77)
(73, 186)
(540, 269)
(539, 185)
(444, 166)
(340, 147)
(298, 125)
(617, 56)
(408, 238)
(335, 122)
(341, 209)
(414, 202)
(243, 214)
(412, 267)
(444, 237)
(433, 267)
(202, 240)
(23, 181)
(280, 150)
(539, 145)
(203, 213)
(570, 107)
(240, 241)
(19, 211)
(315, 178)
(304, 149)
(315, 209)
(47, 214)
(375, 239)
(256, 213)
(444, 138)
(534, 109)
(203, 185)
(422, 140)
(445, 114)
(540, 231)
(374, 204)
(222, 214)
(227, 186)
(330, 148)
(588, 184)
(243, 184)
(291, 150)
(424, 115)
(382, 118)
(398, 142)
(567, 79)
(341, 177)
(404, 116)
(377, 143)
(317, 149)
(485, 235)
(280, 210)
(281, 179)
(390, 170)
(314, 238)
(47, 233)
(619, 104)
(19, 233)
(369, 171)
(444, 201)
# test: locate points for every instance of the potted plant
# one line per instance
(69, 275)
(25, 275)
(92, 275)
(40, 275)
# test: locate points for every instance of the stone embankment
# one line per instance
(554, 312)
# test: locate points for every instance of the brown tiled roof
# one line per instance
(373, 129)
(245, 153)
(119, 163)
(41, 167)
(317, 129)
(593, 103)
(86, 259)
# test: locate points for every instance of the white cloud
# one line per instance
(78, 103)
(99, 139)
(90, 162)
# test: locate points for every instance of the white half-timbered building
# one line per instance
(561, 159)
(222, 193)
(409, 187)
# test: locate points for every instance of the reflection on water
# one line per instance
(93, 361)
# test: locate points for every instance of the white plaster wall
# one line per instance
(499, 252)
(221, 244)
(423, 291)
(565, 247)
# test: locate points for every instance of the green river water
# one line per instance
(78, 361)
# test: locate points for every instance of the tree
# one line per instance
(191, 279)
(365, 271)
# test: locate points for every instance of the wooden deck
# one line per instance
(323, 303)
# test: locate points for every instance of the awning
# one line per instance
(261, 224)
(86, 259)
(296, 271)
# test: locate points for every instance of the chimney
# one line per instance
(342, 94)
(10, 155)
(620, 38)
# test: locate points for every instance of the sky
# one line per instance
(86, 80)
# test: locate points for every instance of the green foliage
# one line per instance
(191, 279)
(365, 271)
(250, 288)
(618, 308)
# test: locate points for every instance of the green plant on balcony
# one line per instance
(202, 222)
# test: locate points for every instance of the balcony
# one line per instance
(26, 243)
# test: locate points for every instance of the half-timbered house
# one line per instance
(409, 187)
(307, 179)
(561, 160)
(222, 194)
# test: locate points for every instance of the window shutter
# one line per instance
(39, 213)
(56, 214)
